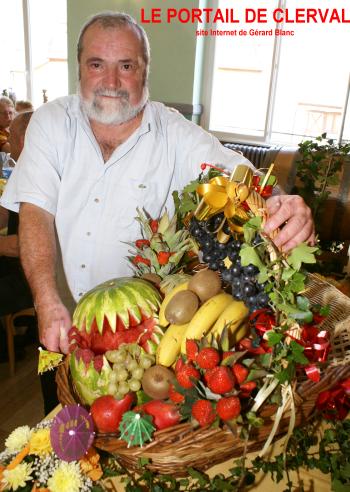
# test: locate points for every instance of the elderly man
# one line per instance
(7, 113)
(90, 160)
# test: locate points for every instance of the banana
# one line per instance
(170, 344)
(162, 319)
(204, 318)
(232, 316)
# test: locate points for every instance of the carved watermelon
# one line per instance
(122, 310)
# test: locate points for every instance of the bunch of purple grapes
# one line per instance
(242, 279)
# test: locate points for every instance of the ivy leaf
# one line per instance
(249, 256)
(303, 303)
(250, 228)
(263, 275)
(273, 338)
(297, 282)
(297, 353)
(287, 273)
(295, 313)
(302, 254)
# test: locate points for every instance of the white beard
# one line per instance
(113, 111)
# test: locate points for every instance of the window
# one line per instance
(280, 88)
(34, 54)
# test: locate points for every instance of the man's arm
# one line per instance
(38, 255)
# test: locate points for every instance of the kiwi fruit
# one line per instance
(156, 380)
(181, 307)
(205, 284)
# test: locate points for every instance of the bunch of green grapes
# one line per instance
(129, 362)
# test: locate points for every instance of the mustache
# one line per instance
(112, 93)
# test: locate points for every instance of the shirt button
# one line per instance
(88, 233)
(80, 294)
(83, 266)
(96, 200)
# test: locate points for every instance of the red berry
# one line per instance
(247, 388)
(139, 259)
(220, 380)
(240, 372)
(174, 395)
(185, 374)
(154, 225)
(203, 412)
(140, 243)
(208, 358)
(163, 257)
(191, 349)
(179, 364)
(228, 408)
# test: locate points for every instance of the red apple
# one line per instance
(107, 411)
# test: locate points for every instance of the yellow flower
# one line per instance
(40, 443)
(66, 478)
(17, 477)
(18, 438)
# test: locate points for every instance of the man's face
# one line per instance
(112, 74)
(7, 113)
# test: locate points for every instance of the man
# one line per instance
(14, 290)
(90, 160)
(7, 113)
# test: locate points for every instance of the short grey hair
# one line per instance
(6, 101)
(117, 20)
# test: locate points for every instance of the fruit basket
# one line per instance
(176, 448)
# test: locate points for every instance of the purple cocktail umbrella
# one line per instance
(72, 433)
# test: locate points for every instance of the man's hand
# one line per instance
(54, 323)
(292, 214)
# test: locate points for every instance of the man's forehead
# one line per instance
(90, 37)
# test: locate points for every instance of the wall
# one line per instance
(173, 46)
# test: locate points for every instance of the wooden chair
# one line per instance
(9, 321)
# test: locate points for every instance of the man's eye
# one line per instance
(95, 65)
(127, 66)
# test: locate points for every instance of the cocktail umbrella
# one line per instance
(72, 432)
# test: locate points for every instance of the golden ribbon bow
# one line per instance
(223, 194)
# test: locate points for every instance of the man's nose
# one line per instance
(112, 78)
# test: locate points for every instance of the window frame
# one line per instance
(207, 89)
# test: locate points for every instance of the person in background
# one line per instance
(23, 106)
(7, 113)
(90, 159)
(15, 293)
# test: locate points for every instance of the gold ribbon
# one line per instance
(223, 195)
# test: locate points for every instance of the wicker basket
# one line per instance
(176, 449)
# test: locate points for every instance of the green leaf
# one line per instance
(302, 254)
(249, 256)
(303, 303)
(250, 228)
(273, 338)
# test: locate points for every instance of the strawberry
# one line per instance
(191, 349)
(240, 372)
(139, 259)
(208, 358)
(163, 257)
(247, 388)
(220, 380)
(174, 395)
(228, 408)
(153, 225)
(179, 364)
(203, 412)
(141, 243)
(185, 374)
